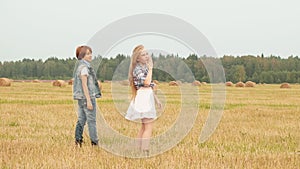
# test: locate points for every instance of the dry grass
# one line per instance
(124, 82)
(37, 126)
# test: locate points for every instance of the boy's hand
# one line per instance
(89, 105)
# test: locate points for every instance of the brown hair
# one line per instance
(135, 54)
(81, 51)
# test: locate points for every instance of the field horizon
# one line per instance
(259, 129)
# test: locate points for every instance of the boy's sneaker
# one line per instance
(94, 143)
(78, 143)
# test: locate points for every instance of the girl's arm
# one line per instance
(157, 101)
(86, 92)
(149, 75)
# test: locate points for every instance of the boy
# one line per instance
(85, 90)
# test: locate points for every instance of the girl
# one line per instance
(142, 105)
(85, 90)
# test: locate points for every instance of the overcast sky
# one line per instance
(40, 29)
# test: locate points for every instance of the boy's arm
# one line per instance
(86, 92)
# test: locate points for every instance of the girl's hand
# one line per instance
(159, 105)
(89, 105)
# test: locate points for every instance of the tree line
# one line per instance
(259, 69)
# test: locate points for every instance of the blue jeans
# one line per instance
(84, 115)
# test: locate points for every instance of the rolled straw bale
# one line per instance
(229, 83)
(156, 82)
(59, 83)
(179, 82)
(36, 81)
(240, 84)
(249, 84)
(196, 83)
(5, 82)
(285, 85)
(70, 82)
(173, 83)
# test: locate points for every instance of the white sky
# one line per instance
(40, 29)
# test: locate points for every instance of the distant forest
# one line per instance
(259, 69)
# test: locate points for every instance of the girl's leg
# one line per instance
(148, 123)
(140, 136)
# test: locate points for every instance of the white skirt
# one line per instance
(143, 106)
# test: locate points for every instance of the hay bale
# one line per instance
(196, 83)
(36, 81)
(5, 82)
(240, 84)
(173, 83)
(204, 83)
(249, 84)
(59, 83)
(70, 82)
(155, 82)
(124, 82)
(285, 85)
(229, 83)
(179, 82)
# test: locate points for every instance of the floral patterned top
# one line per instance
(139, 75)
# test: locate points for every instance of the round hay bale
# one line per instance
(124, 82)
(240, 84)
(70, 82)
(5, 82)
(179, 82)
(229, 83)
(204, 83)
(156, 82)
(173, 83)
(59, 83)
(36, 81)
(196, 83)
(285, 85)
(249, 84)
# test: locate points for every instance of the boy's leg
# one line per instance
(91, 121)
(81, 121)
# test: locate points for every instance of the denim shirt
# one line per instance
(92, 82)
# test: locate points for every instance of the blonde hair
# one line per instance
(135, 54)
